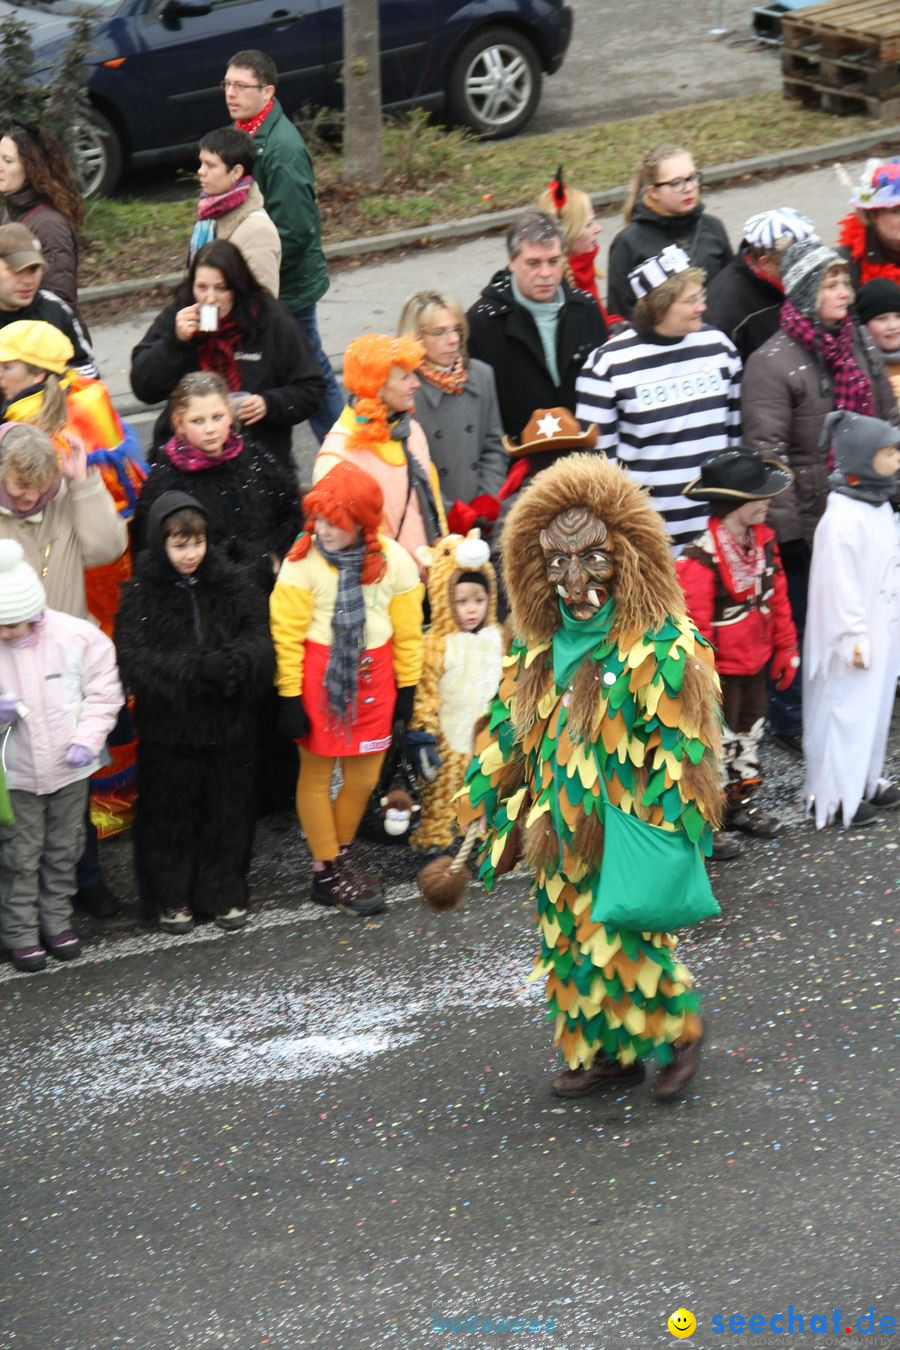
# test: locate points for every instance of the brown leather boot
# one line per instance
(672, 1080)
(603, 1074)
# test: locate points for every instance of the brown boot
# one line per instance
(363, 883)
(675, 1076)
(603, 1073)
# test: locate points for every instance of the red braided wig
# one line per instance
(367, 364)
(349, 498)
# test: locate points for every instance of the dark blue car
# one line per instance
(154, 86)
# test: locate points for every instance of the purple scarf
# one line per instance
(851, 385)
(191, 460)
(43, 499)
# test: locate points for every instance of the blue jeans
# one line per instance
(786, 706)
(332, 405)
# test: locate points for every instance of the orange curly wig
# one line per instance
(348, 497)
(367, 364)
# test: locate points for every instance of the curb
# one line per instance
(490, 221)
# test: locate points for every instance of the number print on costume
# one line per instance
(679, 389)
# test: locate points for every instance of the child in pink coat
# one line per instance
(59, 699)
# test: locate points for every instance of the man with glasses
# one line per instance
(284, 174)
(531, 326)
(663, 207)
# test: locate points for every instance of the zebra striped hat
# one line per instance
(654, 271)
(783, 222)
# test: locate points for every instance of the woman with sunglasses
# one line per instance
(663, 207)
(456, 401)
(39, 190)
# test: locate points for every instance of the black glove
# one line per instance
(421, 747)
(292, 719)
(403, 708)
(214, 666)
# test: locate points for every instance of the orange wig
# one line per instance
(349, 498)
(367, 364)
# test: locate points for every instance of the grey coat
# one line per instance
(464, 435)
(785, 398)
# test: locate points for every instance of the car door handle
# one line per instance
(282, 16)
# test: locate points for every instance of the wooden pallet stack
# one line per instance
(844, 56)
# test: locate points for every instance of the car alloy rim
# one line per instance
(89, 155)
(498, 85)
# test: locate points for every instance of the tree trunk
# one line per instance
(362, 92)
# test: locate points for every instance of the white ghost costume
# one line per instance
(854, 605)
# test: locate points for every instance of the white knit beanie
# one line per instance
(22, 596)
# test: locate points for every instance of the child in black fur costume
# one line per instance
(193, 643)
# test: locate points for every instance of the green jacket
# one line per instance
(285, 176)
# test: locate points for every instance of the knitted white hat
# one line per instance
(783, 222)
(22, 596)
(654, 271)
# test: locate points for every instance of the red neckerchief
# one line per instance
(758, 270)
(252, 124)
(740, 565)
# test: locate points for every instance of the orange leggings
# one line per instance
(329, 825)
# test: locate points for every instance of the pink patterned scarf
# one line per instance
(834, 347)
(210, 206)
(187, 457)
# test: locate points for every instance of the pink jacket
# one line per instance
(69, 683)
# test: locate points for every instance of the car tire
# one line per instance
(97, 152)
(494, 83)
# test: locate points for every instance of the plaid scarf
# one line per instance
(450, 379)
(851, 386)
(348, 636)
(216, 351)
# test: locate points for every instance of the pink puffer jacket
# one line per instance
(69, 683)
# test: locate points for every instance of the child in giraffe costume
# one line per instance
(461, 671)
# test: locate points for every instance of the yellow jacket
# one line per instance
(302, 604)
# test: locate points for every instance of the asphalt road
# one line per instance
(331, 1133)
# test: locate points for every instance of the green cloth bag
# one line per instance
(651, 880)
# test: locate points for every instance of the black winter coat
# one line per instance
(744, 306)
(166, 625)
(503, 333)
(702, 237)
(276, 361)
(251, 503)
(50, 309)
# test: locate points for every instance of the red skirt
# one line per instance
(375, 697)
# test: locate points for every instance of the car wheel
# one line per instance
(495, 83)
(97, 152)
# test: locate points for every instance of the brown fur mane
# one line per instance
(645, 585)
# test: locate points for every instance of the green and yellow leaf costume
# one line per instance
(631, 694)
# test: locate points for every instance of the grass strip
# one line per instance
(435, 175)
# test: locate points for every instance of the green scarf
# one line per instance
(576, 638)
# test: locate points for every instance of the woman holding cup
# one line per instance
(223, 321)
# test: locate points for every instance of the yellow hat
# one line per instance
(37, 344)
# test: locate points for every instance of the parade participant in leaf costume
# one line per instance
(606, 677)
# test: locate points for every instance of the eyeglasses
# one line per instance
(444, 332)
(678, 184)
(236, 84)
(694, 301)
